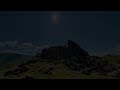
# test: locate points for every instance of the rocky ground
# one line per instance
(65, 62)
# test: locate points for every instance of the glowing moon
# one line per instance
(56, 19)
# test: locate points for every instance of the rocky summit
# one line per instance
(72, 49)
(66, 62)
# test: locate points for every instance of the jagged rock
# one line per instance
(75, 50)
(60, 52)
(48, 70)
(57, 52)
(115, 73)
(20, 70)
(16, 71)
(8, 73)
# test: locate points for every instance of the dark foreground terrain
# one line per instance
(64, 62)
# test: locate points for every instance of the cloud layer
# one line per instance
(24, 48)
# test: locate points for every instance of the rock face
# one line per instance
(75, 50)
(57, 52)
(17, 70)
(61, 52)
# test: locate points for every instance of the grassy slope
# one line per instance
(10, 60)
(37, 71)
(60, 72)
(114, 59)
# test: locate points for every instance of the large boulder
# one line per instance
(60, 52)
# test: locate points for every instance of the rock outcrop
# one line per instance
(70, 57)
(75, 50)
(61, 52)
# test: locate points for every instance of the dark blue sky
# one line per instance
(95, 31)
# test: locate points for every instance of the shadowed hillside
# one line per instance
(64, 62)
(10, 60)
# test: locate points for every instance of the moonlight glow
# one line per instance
(56, 19)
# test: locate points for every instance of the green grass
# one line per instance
(8, 60)
(60, 71)
(114, 59)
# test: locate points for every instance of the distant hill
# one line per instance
(12, 58)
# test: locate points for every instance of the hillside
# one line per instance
(38, 68)
(9, 60)
(65, 62)
(6, 58)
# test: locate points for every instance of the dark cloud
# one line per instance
(26, 45)
(23, 48)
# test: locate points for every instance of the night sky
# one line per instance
(95, 31)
